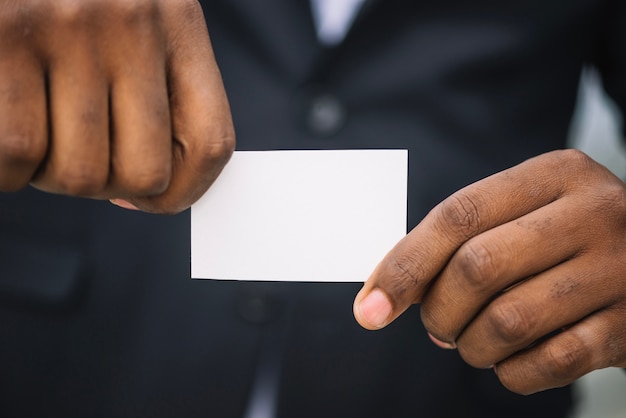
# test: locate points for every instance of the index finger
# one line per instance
(203, 133)
(404, 275)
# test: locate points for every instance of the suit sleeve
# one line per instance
(611, 55)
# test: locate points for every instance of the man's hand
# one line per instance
(524, 271)
(111, 99)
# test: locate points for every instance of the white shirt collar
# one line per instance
(333, 18)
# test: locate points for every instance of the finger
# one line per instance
(23, 125)
(141, 149)
(78, 157)
(523, 315)
(201, 122)
(405, 273)
(596, 342)
(497, 259)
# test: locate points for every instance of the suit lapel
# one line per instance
(281, 32)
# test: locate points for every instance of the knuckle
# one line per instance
(147, 183)
(81, 180)
(510, 321)
(79, 14)
(11, 20)
(564, 362)
(578, 157)
(138, 12)
(460, 214)
(21, 14)
(22, 149)
(615, 194)
(404, 276)
(573, 159)
(475, 262)
(217, 149)
(190, 10)
(73, 13)
(611, 202)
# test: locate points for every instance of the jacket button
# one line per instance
(325, 115)
(256, 308)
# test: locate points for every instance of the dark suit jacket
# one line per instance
(98, 316)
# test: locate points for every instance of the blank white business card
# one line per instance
(312, 216)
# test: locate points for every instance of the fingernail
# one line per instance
(375, 309)
(441, 344)
(123, 204)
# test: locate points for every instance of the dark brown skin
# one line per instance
(111, 99)
(122, 99)
(506, 261)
